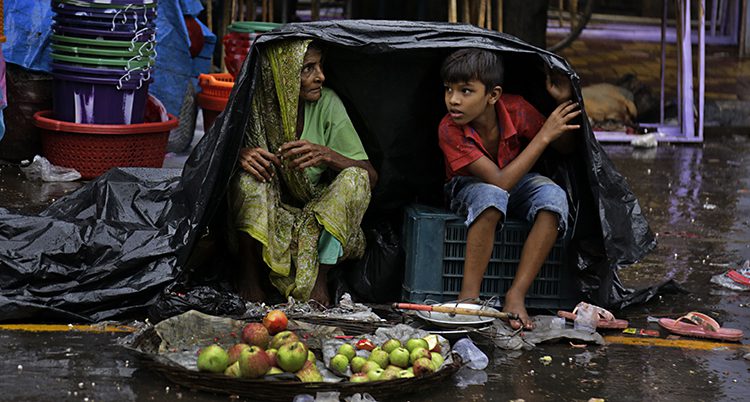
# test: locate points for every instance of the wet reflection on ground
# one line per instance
(696, 197)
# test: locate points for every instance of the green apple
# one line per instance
(292, 356)
(414, 343)
(437, 359)
(388, 375)
(405, 374)
(374, 375)
(359, 377)
(213, 359)
(339, 363)
(417, 353)
(380, 357)
(357, 363)
(399, 357)
(282, 338)
(368, 366)
(391, 344)
(347, 350)
(309, 373)
(233, 370)
(310, 355)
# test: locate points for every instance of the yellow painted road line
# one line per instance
(66, 328)
(674, 343)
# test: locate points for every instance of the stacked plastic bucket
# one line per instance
(103, 52)
(102, 57)
(240, 36)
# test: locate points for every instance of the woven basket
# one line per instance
(264, 390)
(92, 149)
(147, 344)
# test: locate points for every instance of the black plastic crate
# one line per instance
(435, 245)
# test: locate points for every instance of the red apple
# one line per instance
(272, 353)
(283, 338)
(292, 356)
(275, 321)
(423, 366)
(255, 334)
(359, 377)
(235, 351)
(254, 362)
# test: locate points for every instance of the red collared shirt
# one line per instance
(518, 121)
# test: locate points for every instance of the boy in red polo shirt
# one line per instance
(491, 141)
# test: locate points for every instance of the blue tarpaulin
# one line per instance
(28, 29)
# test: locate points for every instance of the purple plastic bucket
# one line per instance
(116, 2)
(106, 72)
(142, 35)
(96, 100)
(102, 25)
(128, 17)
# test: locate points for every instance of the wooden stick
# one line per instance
(453, 12)
(456, 310)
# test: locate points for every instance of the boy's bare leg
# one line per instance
(248, 275)
(538, 244)
(479, 242)
(320, 290)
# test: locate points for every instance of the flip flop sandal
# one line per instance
(701, 326)
(607, 320)
(738, 277)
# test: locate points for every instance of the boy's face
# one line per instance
(311, 76)
(466, 101)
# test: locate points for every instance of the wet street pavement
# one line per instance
(696, 197)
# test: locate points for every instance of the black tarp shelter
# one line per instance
(119, 244)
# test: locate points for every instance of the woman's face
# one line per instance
(311, 77)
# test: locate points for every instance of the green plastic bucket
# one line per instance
(124, 63)
(252, 26)
(102, 52)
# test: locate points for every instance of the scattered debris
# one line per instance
(546, 360)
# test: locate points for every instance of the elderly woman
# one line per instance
(305, 179)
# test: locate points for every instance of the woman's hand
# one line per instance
(303, 154)
(557, 122)
(259, 163)
(558, 86)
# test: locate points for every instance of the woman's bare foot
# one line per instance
(319, 292)
(515, 304)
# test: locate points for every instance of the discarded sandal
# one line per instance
(702, 326)
(606, 319)
(738, 277)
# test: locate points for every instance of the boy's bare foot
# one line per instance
(515, 304)
(319, 292)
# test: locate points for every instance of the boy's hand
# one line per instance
(557, 122)
(302, 154)
(259, 163)
(558, 86)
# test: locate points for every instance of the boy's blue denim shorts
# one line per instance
(469, 196)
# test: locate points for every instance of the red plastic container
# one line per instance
(214, 95)
(92, 149)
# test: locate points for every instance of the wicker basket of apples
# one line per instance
(277, 358)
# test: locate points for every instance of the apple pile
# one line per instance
(391, 360)
(267, 348)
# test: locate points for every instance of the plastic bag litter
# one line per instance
(470, 353)
(645, 141)
(724, 280)
(42, 169)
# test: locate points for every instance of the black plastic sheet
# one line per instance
(113, 248)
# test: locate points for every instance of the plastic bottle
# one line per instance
(586, 319)
(470, 354)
